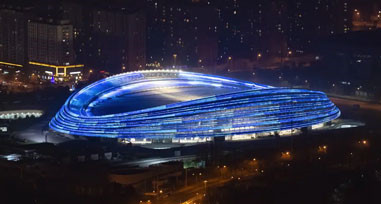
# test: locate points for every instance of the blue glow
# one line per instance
(248, 108)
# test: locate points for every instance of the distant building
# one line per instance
(50, 48)
(182, 34)
(113, 40)
(12, 38)
(363, 19)
(136, 44)
(206, 37)
(352, 63)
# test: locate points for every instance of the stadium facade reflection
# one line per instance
(186, 107)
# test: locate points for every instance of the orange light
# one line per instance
(322, 149)
(286, 155)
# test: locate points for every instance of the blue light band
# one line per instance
(249, 108)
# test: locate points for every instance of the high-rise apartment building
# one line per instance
(51, 42)
(136, 41)
(50, 47)
(182, 34)
(114, 40)
(12, 38)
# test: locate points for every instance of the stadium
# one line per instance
(173, 106)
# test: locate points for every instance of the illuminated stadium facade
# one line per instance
(183, 107)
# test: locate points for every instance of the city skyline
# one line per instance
(190, 101)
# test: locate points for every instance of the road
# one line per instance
(193, 193)
(143, 163)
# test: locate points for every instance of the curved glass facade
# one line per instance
(193, 109)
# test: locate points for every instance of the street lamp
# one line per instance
(205, 182)
(363, 142)
(259, 55)
(174, 60)
(286, 155)
(322, 149)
